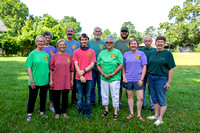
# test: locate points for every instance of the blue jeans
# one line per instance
(95, 79)
(144, 96)
(83, 89)
(157, 90)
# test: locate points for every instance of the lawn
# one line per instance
(182, 115)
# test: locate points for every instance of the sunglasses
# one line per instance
(109, 42)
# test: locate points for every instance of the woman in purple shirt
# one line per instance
(133, 74)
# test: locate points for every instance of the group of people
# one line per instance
(110, 65)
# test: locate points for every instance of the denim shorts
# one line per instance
(132, 86)
(157, 90)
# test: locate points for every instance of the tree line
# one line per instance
(22, 28)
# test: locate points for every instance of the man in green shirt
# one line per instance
(147, 50)
(122, 45)
(97, 45)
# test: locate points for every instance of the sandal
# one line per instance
(57, 116)
(115, 117)
(105, 113)
(65, 115)
(140, 118)
(28, 118)
(130, 116)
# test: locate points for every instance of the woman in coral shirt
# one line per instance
(61, 78)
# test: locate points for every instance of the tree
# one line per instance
(185, 30)
(190, 12)
(13, 13)
(105, 33)
(49, 21)
(150, 31)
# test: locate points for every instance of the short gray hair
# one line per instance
(47, 33)
(61, 40)
(147, 37)
(38, 37)
(70, 27)
(110, 38)
(98, 28)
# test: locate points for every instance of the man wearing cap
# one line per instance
(72, 45)
(97, 45)
(123, 45)
(147, 50)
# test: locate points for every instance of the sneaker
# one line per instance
(158, 122)
(152, 118)
(52, 109)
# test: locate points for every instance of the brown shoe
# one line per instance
(130, 116)
(140, 118)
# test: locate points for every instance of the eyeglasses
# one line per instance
(109, 42)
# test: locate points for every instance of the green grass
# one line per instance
(182, 114)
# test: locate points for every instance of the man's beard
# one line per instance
(97, 37)
(70, 36)
(124, 37)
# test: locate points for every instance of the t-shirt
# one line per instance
(134, 63)
(62, 66)
(160, 62)
(123, 46)
(109, 62)
(84, 58)
(50, 50)
(71, 46)
(39, 64)
(147, 51)
(97, 46)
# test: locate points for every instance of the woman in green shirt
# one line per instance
(109, 64)
(37, 64)
(160, 71)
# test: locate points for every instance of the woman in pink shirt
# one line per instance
(61, 78)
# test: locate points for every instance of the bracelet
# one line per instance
(142, 79)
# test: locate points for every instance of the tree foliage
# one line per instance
(185, 30)
(13, 14)
(150, 31)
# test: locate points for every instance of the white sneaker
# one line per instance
(152, 118)
(52, 109)
(158, 122)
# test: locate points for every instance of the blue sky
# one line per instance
(107, 14)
